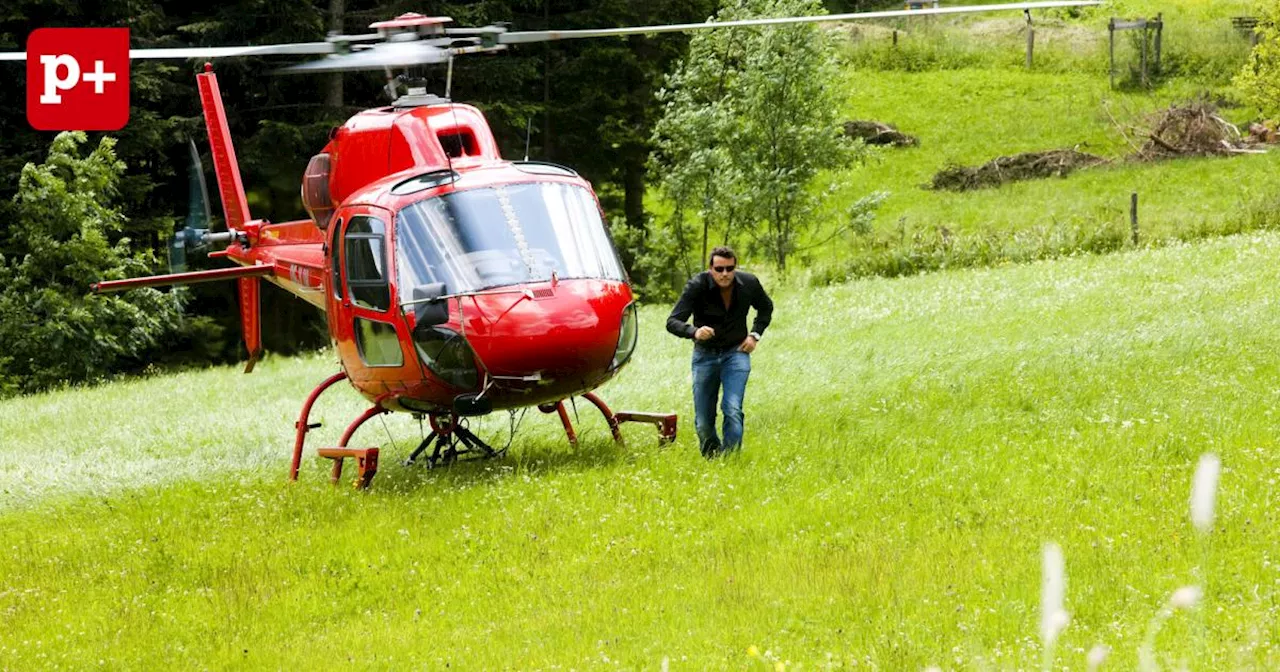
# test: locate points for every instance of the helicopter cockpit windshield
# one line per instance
(505, 235)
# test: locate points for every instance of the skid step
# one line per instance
(665, 422)
(366, 464)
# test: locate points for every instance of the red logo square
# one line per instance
(78, 79)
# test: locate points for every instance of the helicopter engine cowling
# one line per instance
(384, 141)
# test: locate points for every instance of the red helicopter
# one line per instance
(455, 282)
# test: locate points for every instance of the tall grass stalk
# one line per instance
(1053, 615)
(1204, 495)
(1182, 599)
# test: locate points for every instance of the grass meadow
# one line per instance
(968, 118)
(912, 444)
(961, 86)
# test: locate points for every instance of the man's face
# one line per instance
(722, 270)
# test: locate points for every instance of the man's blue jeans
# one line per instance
(711, 371)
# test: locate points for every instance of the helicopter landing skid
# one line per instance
(665, 422)
(366, 458)
(453, 443)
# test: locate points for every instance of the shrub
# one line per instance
(1259, 79)
(58, 243)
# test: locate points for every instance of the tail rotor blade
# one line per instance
(178, 252)
(191, 238)
(198, 213)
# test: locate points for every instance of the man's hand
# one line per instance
(704, 333)
(748, 344)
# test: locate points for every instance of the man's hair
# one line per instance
(723, 252)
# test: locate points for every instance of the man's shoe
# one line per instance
(711, 448)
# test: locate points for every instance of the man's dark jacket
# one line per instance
(701, 298)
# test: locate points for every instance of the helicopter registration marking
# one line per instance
(305, 277)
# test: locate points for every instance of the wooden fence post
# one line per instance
(1144, 56)
(1111, 32)
(1031, 38)
(1159, 36)
(1133, 216)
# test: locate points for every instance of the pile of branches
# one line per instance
(876, 133)
(1190, 129)
(1263, 133)
(1027, 166)
(1194, 129)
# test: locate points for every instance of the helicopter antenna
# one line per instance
(448, 157)
(528, 128)
(448, 78)
(448, 152)
(448, 90)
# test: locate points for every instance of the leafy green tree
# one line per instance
(58, 242)
(1259, 79)
(749, 122)
(277, 123)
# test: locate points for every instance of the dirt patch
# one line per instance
(1027, 166)
(1186, 130)
(876, 133)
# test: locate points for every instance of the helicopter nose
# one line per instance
(549, 335)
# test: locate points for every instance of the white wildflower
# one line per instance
(1204, 491)
(1053, 618)
(1185, 597)
(1097, 656)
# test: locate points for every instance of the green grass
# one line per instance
(911, 445)
(960, 86)
(969, 118)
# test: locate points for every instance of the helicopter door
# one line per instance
(367, 295)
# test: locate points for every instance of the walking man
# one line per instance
(718, 299)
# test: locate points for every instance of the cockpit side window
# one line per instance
(366, 263)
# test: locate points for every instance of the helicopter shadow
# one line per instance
(535, 458)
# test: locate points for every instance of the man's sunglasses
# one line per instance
(724, 269)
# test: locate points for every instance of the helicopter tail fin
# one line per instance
(234, 204)
(250, 324)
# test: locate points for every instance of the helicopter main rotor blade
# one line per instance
(212, 52)
(377, 57)
(527, 37)
(416, 52)
(219, 52)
